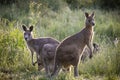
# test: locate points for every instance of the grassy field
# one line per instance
(15, 58)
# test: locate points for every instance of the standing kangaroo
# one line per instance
(69, 51)
(36, 45)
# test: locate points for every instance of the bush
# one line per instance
(76, 4)
(13, 54)
(111, 4)
(106, 62)
(6, 2)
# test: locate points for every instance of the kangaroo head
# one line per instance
(27, 32)
(96, 47)
(89, 19)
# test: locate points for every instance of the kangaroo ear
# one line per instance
(31, 28)
(24, 27)
(92, 15)
(86, 14)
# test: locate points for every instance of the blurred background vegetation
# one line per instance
(58, 19)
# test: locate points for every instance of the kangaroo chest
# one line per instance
(89, 35)
(35, 48)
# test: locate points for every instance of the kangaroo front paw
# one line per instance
(33, 64)
(90, 56)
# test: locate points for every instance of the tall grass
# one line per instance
(15, 57)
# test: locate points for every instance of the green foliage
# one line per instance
(53, 4)
(111, 4)
(80, 3)
(6, 2)
(106, 62)
(104, 4)
(13, 54)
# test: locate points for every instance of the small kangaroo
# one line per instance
(69, 51)
(36, 45)
(47, 55)
(86, 52)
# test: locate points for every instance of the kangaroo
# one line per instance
(86, 52)
(47, 56)
(36, 45)
(116, 41)
(69, 51)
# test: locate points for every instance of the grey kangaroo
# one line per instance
(86, 52)
(47, 55)
(36, 45)
(69, 51)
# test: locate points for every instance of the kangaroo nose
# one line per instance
(26, 39)
(93, 24)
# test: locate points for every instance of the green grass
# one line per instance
(15, 58)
